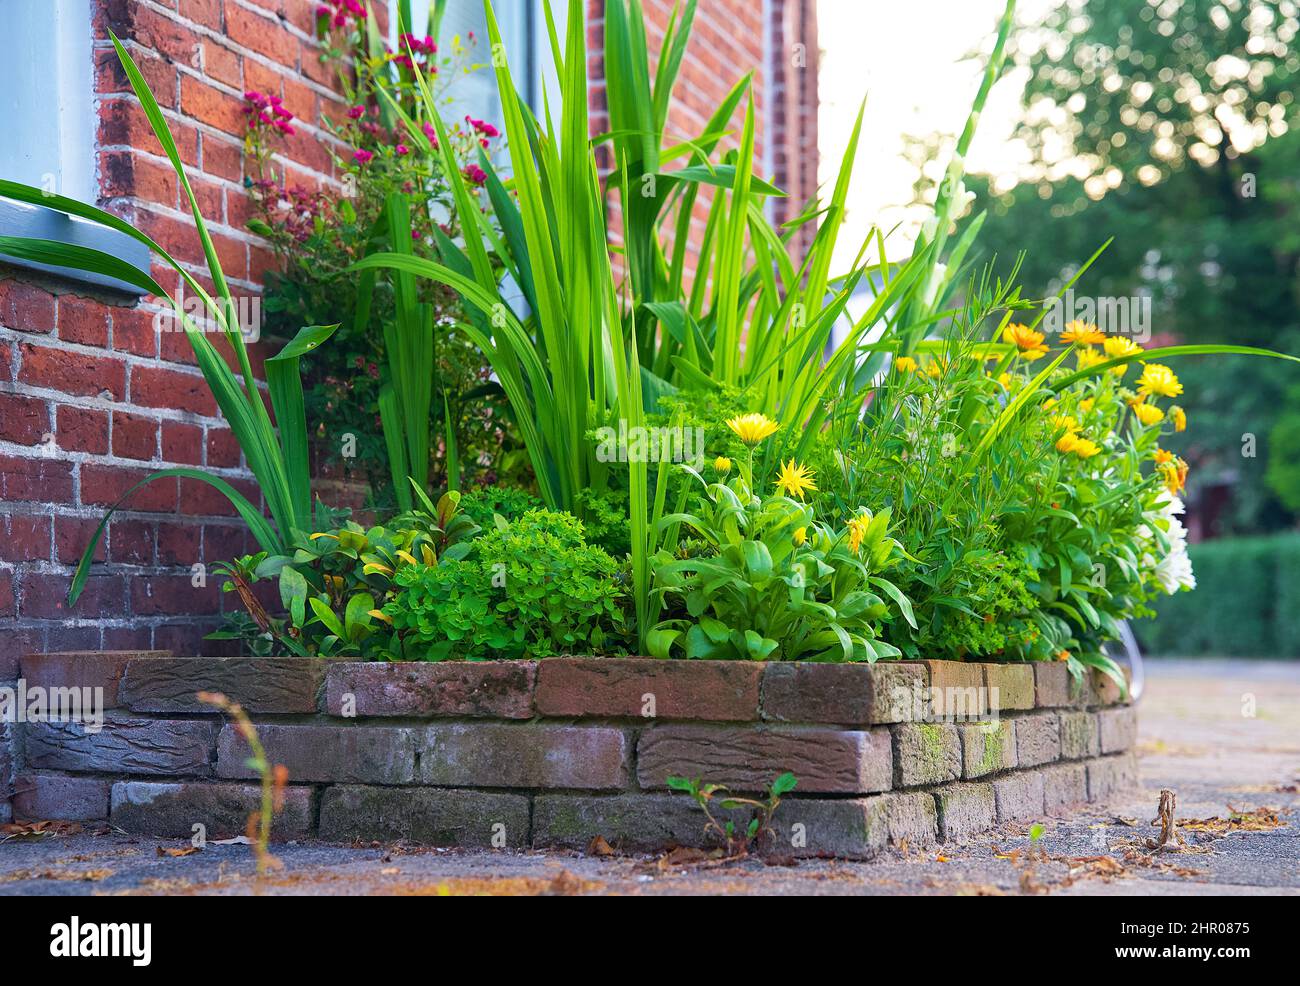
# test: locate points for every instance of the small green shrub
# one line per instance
(762, 580)
(531, 587)
(1247, 602)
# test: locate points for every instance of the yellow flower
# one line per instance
(800, 536)
(1025, 339)
(1158, 380)
(1148, 414)
(1080, 333)
(1065, 444)
(752, 428)
(722, 465)
(1161, 456)
(1086, 405)
(1063, 422)
(1062, 655)
(1085, 448)
(1004, 378)
(1117, 346)
(794, 479)
(1087, 356)
(905, 364)
(1179, 417)
(857, 530)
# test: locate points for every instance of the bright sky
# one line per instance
(909, 60)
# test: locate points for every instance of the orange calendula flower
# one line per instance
(1159, 381)
(905, 364)
(1174, 475)
(1162, 456)
(794, 479)
(1179, 417)
(1117, 346)
(1028, 341)
(752, 428)
(1080, 333)
(1148, 414)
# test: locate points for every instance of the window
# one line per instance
(47, 117)
(523, 31)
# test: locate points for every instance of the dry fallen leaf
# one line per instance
(180, 851)
(599, 847)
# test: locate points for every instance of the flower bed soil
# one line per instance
(554, 753)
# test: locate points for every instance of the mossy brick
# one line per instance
(645, 688)
(1038, 739)
(1064, 785)
(964, 810)
(61, 797)
(1079, 735)
(1010, 686)
(1118, 729)
(525, 755)
(912, 818)
(957, 689)
(1111, 775)
(425, 816)
(155, 747)
(85, 669)
(848, 828)
(319, 753)
(926, 753)
(172, 810)
(987, 747)
(261, 685)
(628, 822)
(825, 761)
(1019, 796)
(477, 689)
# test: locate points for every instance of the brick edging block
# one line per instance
(490, 689)
(646, 688)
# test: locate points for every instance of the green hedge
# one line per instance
(1246, 603)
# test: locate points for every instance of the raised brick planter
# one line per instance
(554, 753)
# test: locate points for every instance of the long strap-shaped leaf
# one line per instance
(262, 531)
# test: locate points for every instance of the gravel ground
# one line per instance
(1197, 740)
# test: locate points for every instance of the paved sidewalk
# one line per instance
(1216, 733)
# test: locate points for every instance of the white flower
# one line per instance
(1174, 570)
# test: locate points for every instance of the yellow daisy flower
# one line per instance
(1117, 346)
(1158, 380)
(722, 465)
(1161, 456)
(1148, 414)
(1063, 422)
(800, 536)
(1026, 340)
(1087, 356)
(905, 364)
(1179, 417)
(1080, 333)
(857, 530)
(752, 428)
(1066, 443)
(1085, 448)
(794, 480)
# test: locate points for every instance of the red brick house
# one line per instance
(93, 396)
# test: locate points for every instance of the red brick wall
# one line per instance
(92, 397)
